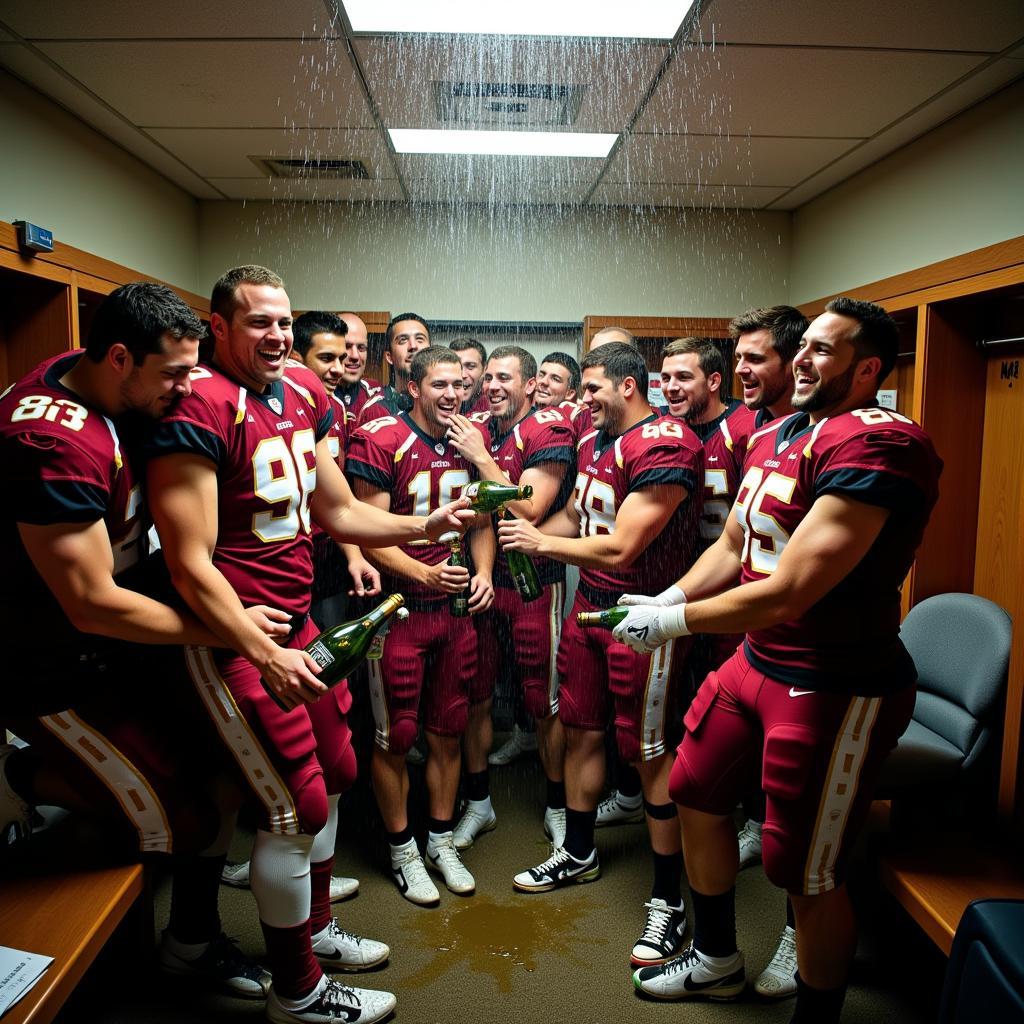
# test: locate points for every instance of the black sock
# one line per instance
(817, 1005)
(476, 785)
(668, 869)
(790, 916)
(579, 832)
(440, 825)
(196, 882)
(400, 838)
(627, 781)
(714, 922)
(556, 795)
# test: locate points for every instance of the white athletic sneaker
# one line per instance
(477, 818)
(339, 950)
(516, 746)
(663, 934)
(690, 975)
(561, 868)
(335, 1004)
(778, 979)
(613, 811)
(223, 965)
(749, 838)
(554, 825)
(410, 875)
(237, 876)
(444, 858)
(15, 814)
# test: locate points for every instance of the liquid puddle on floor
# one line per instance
(500, 939)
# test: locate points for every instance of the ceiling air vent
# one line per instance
(306, 168)
(527, 104)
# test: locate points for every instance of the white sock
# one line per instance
(434, 838)
(719, 962)
(187, 951)
(279, 878)
(631, 803)
(480, 806)
(324, 840)
(305, 1001)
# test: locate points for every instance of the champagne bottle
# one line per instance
(458, 604)
(340, 650)
(522, 570)
(607, 619)
(489, 495)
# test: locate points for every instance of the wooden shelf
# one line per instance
(936, 877)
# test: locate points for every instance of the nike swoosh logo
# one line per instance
(699, 986)
(793, 692)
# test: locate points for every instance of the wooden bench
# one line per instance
(68, 915)
(935, 881)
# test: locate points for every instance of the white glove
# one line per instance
(667, 598)
(646, 627)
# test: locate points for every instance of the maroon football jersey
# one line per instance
(355, 396)
(651, 453)
(421, 474)
(62, 462)
(849, 640)
(264, 448)
(387, 402)
(725, 447)
(542, 435)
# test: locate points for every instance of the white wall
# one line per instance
(90, 193)
(512, 263)
(958, 188)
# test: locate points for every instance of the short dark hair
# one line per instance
(619, 361)
(405, 316)
(565, 360)
(222, 300)
(877, 334)
(709, 355)
(786, 325)
(316, 321)
(461, 344)
(138, 316)
(428, 357)
(527, 363)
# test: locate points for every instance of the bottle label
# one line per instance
(376, 647)
(320, 654)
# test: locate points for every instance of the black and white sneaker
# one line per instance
(223, 965)
(692, 976)
(561, 868)
(335, 1004)
(339, 950)
(662, 938)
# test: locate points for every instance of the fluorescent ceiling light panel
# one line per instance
(642, 19)
(436, 140)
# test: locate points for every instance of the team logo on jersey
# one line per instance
(439, 448)
(275, 404)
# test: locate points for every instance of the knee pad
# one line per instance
(279, 877)
(403, 735)
(311, 805)
(660, 812)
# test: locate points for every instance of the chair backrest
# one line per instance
(960, 644)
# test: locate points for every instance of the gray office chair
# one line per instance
(961, 646)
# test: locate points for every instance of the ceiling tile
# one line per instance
(309, 191)
(193, 19)
(220, 84)
(41, 75)
(988, 25)
(715, 160)
(976, 88)
(773, 91)
(721, 197)
(225, 152)
(613, 74)
(483, 190)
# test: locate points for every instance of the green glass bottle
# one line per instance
(522, 570)
(607, 619)
(489, 495)
(341, 649)
(458, 604)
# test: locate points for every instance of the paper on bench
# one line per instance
(19, 971)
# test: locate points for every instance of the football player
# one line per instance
(407, 334)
